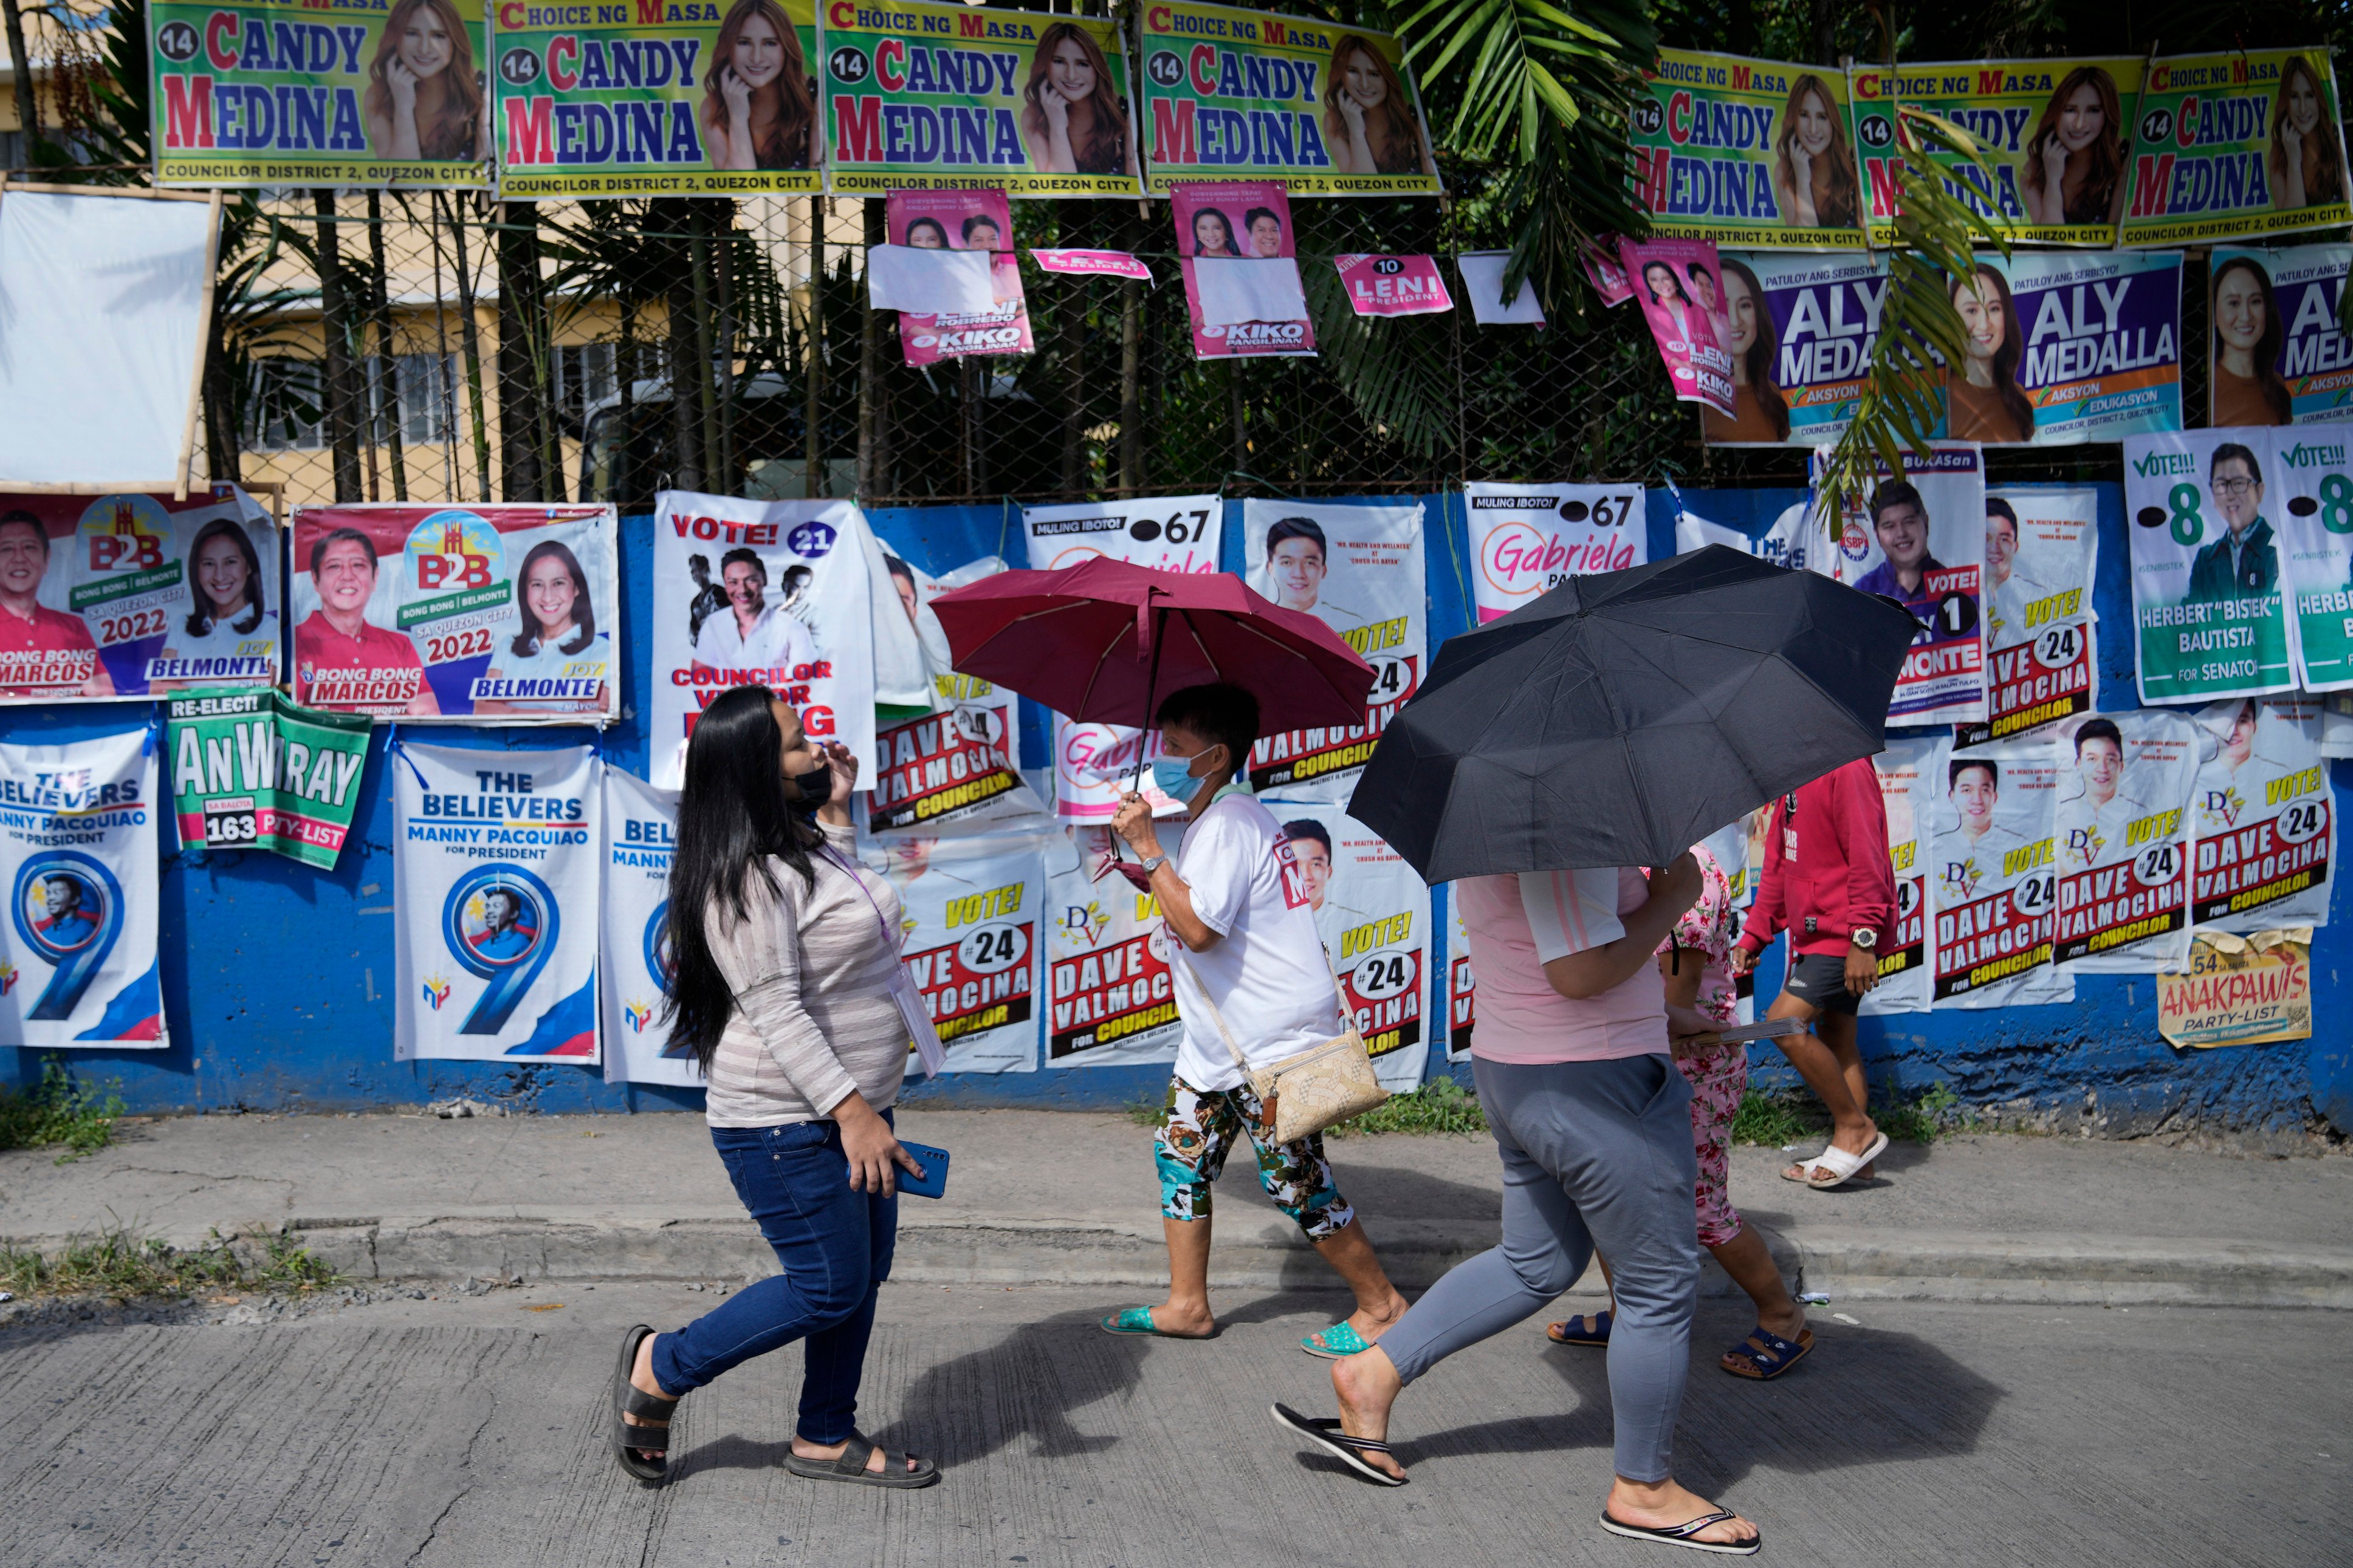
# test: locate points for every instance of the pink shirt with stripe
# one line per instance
(1518, 923)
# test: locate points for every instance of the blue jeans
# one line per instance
(835, 1245)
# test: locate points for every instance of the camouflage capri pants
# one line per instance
(1199, 1131)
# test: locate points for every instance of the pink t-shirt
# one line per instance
(1517, 924)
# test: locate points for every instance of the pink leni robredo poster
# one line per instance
(962, 220)
(1394, 285)
(1680, 291)
(1242, 271)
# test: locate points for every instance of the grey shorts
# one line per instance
(1819, 980)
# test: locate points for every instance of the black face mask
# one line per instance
(812, 789)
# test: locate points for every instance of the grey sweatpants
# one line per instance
(1594, 1154)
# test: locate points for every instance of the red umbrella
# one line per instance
(1102, 641)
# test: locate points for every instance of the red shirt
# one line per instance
(23, 646)
(1826, 859)
(321, 652)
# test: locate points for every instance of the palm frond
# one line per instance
(1397, 371)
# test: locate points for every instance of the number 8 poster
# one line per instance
(497, 613)
(2208, 609)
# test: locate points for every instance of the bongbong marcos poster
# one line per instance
(78, 848)
(495, 865)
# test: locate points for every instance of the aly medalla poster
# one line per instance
(495, 862)
(499, 612)
(136, 595)
(78, 850)
(268, 92)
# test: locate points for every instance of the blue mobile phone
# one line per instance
(933, 1182)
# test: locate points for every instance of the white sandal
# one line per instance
(1841, 1164)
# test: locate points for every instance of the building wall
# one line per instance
(279, 993)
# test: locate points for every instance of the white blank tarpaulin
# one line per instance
(1482, 285)
(1248, 289)
(929, 282)
(103, 304)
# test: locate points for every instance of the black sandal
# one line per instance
(628, 1398)
(1324, 1431)
(851, 1467)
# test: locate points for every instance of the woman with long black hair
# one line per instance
(786, 952)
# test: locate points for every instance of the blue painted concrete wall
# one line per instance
(278, 980)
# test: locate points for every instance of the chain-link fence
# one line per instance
(429, 346)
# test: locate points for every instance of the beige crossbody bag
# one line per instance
(1301, 1095)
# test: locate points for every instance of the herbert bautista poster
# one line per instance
(640, 834)
(78, 848)
(499, 613)
(495, 866)
(972, 908)
(136, 595)
(1359, 569)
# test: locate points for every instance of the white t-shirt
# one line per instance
(552, 663)
(778, 642)
(1266, 973)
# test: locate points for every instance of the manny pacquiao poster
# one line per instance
(78, 848)
(1373, 913)
(794, 595)
(2123, 893)
(1526, 539)
(1919, 538)
(1109, 998)
(972, 912)
(634, 965)
(2265, 817)
(495, 862)
(1095, 763)
(1359, 569)
(136, 595)
(1992, 865)
(1911, 776)
(491, 614)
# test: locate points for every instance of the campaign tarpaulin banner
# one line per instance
(1110, 1000)
(962, 220)
(1095, 763)
(1790, 539)
(958, 766)
(1240, 260)
(1747, 152)
(2124, 841)
(1359, 569)
(2280, 357)
(1992, 866)
(1328, 110)
(496, 614)
(973, 942)
(2066, 349)
(1605, 273)
(2265, 816)
(2238, 991)
(2056, 130)
(275, 92)
(2209, 608)
(1526, 539)
(652, 99)
(1080, 263)
(1373, 912)
(1394, 285)
(78, 848)
(1462, 987)
(496, 857)
(780, 594)
(2231, 146)
(1911, 779)
(1800, 331)
(634, 964)
(2312, 500)
(2041, 552)
(925, 95)
(136, 595)
(1920, 540)
(1682, 297)
(250, 770)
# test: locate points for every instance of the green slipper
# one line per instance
(1341, 1339)
(1139, 1320)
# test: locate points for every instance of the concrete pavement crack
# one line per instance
(435, 1528)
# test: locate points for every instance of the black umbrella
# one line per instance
(1623, 716)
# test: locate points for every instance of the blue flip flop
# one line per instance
(1767, 1354)
(1597, 1336)
(1139, 1320)
(1340, 1340)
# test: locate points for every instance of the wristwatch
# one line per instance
(1864, 938)
(1154, 864)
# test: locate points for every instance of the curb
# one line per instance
(604, 1243)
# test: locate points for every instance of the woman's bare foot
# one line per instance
(1854, 1141)
(804, 1450)
(1368, 1384)
(1185, 1320)
(1662, 1505)
(641, 1378)
(1371, 1324)
(1587, 1324)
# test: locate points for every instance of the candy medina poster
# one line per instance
(2230, 146)
(1748, 152)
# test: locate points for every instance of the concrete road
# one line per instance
(471, 1431)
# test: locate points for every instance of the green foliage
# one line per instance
(1778, 1119)
(58, 1110)
(1439, 1106)
(122, 1267)
(1927, 1118)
